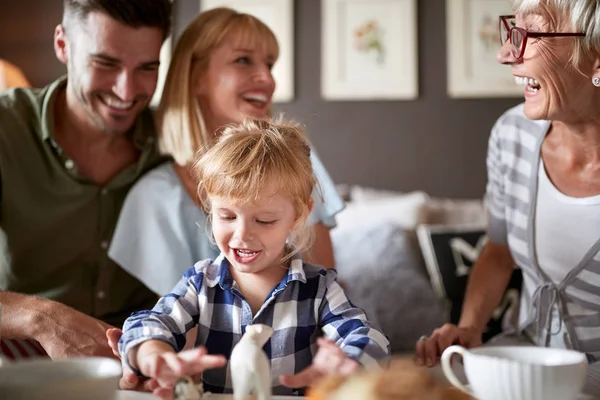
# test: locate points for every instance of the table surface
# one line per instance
(131, 395)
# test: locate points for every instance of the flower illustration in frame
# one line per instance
(368, 38)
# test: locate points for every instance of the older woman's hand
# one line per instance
(428, 350)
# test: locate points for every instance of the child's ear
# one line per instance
(311, 204)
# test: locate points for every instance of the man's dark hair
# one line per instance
(133, 13)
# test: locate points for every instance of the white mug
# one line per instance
(518, 372)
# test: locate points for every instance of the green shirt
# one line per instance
(58, 223)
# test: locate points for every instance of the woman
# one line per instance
(543, 191)
(220, 73)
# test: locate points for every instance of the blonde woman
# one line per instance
(256, 185)
(220, 74)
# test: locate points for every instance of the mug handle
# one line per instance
(447, 367)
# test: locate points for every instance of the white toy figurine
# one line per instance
(186, 389)
(250, 367)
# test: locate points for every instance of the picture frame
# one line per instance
(369, 50)
(278, 15)
(472, 43)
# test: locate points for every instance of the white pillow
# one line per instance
(361, 194)
(439, 211)
(403, 210)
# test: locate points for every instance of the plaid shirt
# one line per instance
(306, 301)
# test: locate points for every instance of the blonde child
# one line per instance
(256, 185)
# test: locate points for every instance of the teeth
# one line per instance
(523, 80)
(114, 103)
(246, 253)
(259, 97)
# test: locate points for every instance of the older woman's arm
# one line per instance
(491, 272)
(487, 283)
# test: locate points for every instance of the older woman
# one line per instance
(543, 189)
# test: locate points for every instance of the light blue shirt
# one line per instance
(161, 232)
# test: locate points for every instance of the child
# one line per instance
(255, 184)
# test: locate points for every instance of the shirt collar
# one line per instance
(218, 272)
(144, 131)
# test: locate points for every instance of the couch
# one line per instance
(381, 263)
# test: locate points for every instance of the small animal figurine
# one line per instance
(250, 367)
(186, 389)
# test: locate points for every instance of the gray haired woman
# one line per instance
(543, 190)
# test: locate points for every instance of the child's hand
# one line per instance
(129, 380)
(167, 366)
(329, 360)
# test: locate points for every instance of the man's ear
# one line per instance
(61, 44)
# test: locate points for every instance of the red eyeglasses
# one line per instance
(518, 36)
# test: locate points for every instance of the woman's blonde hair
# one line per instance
(179, 117)
(579, 15)
(257, 156)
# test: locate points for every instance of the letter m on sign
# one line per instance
(463, 252)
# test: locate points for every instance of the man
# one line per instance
(69, 153)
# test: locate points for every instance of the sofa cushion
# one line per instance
(380, 265)
(450, 252)
(404, 210)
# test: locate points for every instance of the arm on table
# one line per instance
(487, 283)
(62, 331)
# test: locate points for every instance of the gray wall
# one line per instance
(435, 143)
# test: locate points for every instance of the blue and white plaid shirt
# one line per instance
(306, 301)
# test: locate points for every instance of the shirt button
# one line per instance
(104, 244)
(104, 191)
(69, 164)
(101, 294)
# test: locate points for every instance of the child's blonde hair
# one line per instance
(259, 155)
(179, 117)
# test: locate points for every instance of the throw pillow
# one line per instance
(381, 267)
(402, 209)
(450, 252)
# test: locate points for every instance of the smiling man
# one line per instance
(69, 153)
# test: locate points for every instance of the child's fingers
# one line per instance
(150, 385)
(113, 335)
(349, 367)
(175, 365)
(196, 360)
(324, 342)
(192, 354)
(205, 362)
(302, 379)
(128, 381)
(163, 393)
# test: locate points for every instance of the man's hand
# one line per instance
(329, 360)
(65, 332)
